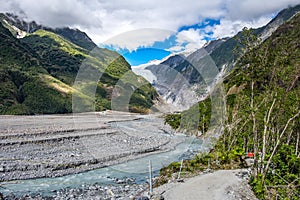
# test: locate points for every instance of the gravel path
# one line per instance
(219, 185)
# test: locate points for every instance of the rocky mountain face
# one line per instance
(181, 80)
(282, 17)
(39, 67)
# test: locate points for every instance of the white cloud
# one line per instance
(103, 19)
(190, 40)
(228, 28)
(138, 38)
(56, 13)
(176, 49)
(254, 9)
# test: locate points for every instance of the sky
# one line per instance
(166, 25)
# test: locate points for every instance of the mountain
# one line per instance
(39, 67)
(262, 94)
(189, 70)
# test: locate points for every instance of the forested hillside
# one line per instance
(38, 70)
(263, 114)
(263, 104)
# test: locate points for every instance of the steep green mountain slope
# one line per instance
(263, 103)
(263, 115)
(38, 71)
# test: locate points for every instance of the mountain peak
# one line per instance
(284, 15)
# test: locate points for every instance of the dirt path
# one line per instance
(219, 185)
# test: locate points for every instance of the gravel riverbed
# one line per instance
(46, 146)
(56, 145)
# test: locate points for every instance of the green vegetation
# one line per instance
(264, 117)
(263, 108)
(76, 37)
(214, 160)
(37, 73)
(197, 118)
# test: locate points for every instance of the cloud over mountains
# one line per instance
(103, 19)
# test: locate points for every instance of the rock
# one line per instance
(157, 197)
(249, 162)
(131, 197)
(2, 168)
(142, 198)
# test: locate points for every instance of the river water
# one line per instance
(135, 169)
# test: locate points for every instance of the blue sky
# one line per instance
(161, 49)
(144, 55)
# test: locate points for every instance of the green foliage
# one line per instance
(214, 160)
(17, 109)
(258, 186)
(37, 74)
(173, 120)
(271, 68)
(40, 98)
(196, 118)
(262, 104)
(118, 67)
(102, 104)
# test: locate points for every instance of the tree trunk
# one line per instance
(266, 123)
(278, 142)
(297, 143)
(255, 140)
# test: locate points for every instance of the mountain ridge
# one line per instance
(73, 35)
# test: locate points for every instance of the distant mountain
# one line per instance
(223, 52)
(38, 67)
